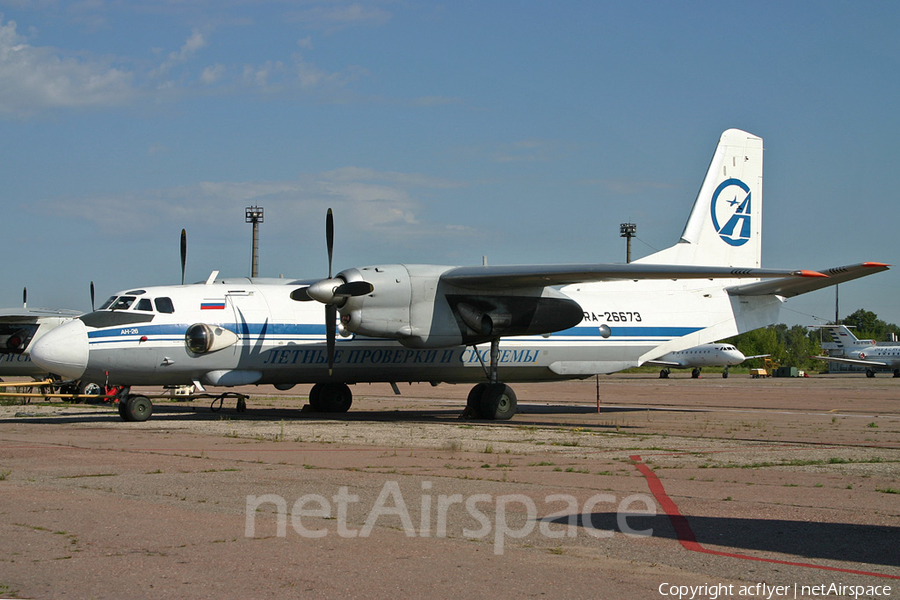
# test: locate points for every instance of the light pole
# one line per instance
(254, 214)
(627, 231)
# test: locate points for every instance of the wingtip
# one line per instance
(877, 265)
(807, 273)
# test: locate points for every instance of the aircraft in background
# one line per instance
(19, 329)
(486, 325)
(706, 355)
(862, 353)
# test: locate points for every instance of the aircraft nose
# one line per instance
(63, 351)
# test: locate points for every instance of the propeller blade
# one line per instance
(329, 238)
(301, 295)
(183, 253)
(24, 297)
(92, 296)
(353, 289)
(330, 319)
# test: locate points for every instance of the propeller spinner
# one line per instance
(331, 291)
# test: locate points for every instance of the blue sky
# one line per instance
(438, 131)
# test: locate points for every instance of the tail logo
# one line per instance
(734, 210)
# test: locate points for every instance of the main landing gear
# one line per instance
(330, 397)
(491, 400)
(134, 407)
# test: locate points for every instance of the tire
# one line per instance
(473, 400)
(138, 408)
(88, 388)
(870, 373)
(314, 394)
(498, 402)
(333, 398)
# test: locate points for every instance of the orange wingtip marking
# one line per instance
(875, 264)
(805, 273)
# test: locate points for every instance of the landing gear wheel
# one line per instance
(121, 407)
(695, 374)
(664, 374)
(498, 402)
(88, 388)
(473, 402)
(870, 372)
(725, 373)
(330, 397)
(896, 372)
(136, 408)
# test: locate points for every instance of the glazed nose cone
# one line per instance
(63, 351)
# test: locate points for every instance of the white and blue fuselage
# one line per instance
(139, 337)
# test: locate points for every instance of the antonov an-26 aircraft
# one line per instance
(487, 325)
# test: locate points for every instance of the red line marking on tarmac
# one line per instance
(689, 541)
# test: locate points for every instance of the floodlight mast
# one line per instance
(254, 215)
(627, 231)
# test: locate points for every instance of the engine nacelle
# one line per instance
(410, 304)
(201, 338)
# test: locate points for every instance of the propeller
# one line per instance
(24, 297)
(331, 291)
(183, 253)
(92, 296)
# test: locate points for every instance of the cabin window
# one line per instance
(164, 305)
(144, 304)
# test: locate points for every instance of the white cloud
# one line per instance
(34, 78)
(212, 74)
(194, 43)
(369, 202)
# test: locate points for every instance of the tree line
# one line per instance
(793, 346)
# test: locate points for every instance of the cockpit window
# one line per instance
(144, 304)
(108, 303)
(164, 305)
(122, 303)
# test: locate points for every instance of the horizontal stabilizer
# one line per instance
(522, 276)
(790, 287)
(853, 361)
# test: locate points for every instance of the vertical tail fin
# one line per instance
(844, 339)
(725, 225)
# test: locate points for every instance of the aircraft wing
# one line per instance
(524, 276)
(790, 287)
(30, 315)
(661, 363)
(757, 356)
(852, 361)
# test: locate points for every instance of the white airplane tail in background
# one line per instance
(844, 339)
(725, 225)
